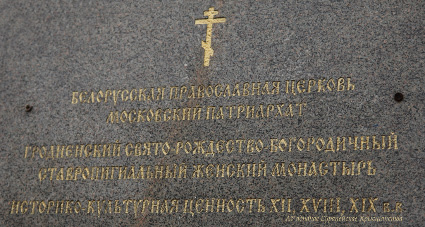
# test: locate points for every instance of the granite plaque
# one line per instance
(218, 113)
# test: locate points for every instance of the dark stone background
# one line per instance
(48, 49)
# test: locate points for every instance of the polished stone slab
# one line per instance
(312, 87)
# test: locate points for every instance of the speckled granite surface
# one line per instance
(50, 49)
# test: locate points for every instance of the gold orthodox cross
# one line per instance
(209, 22)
